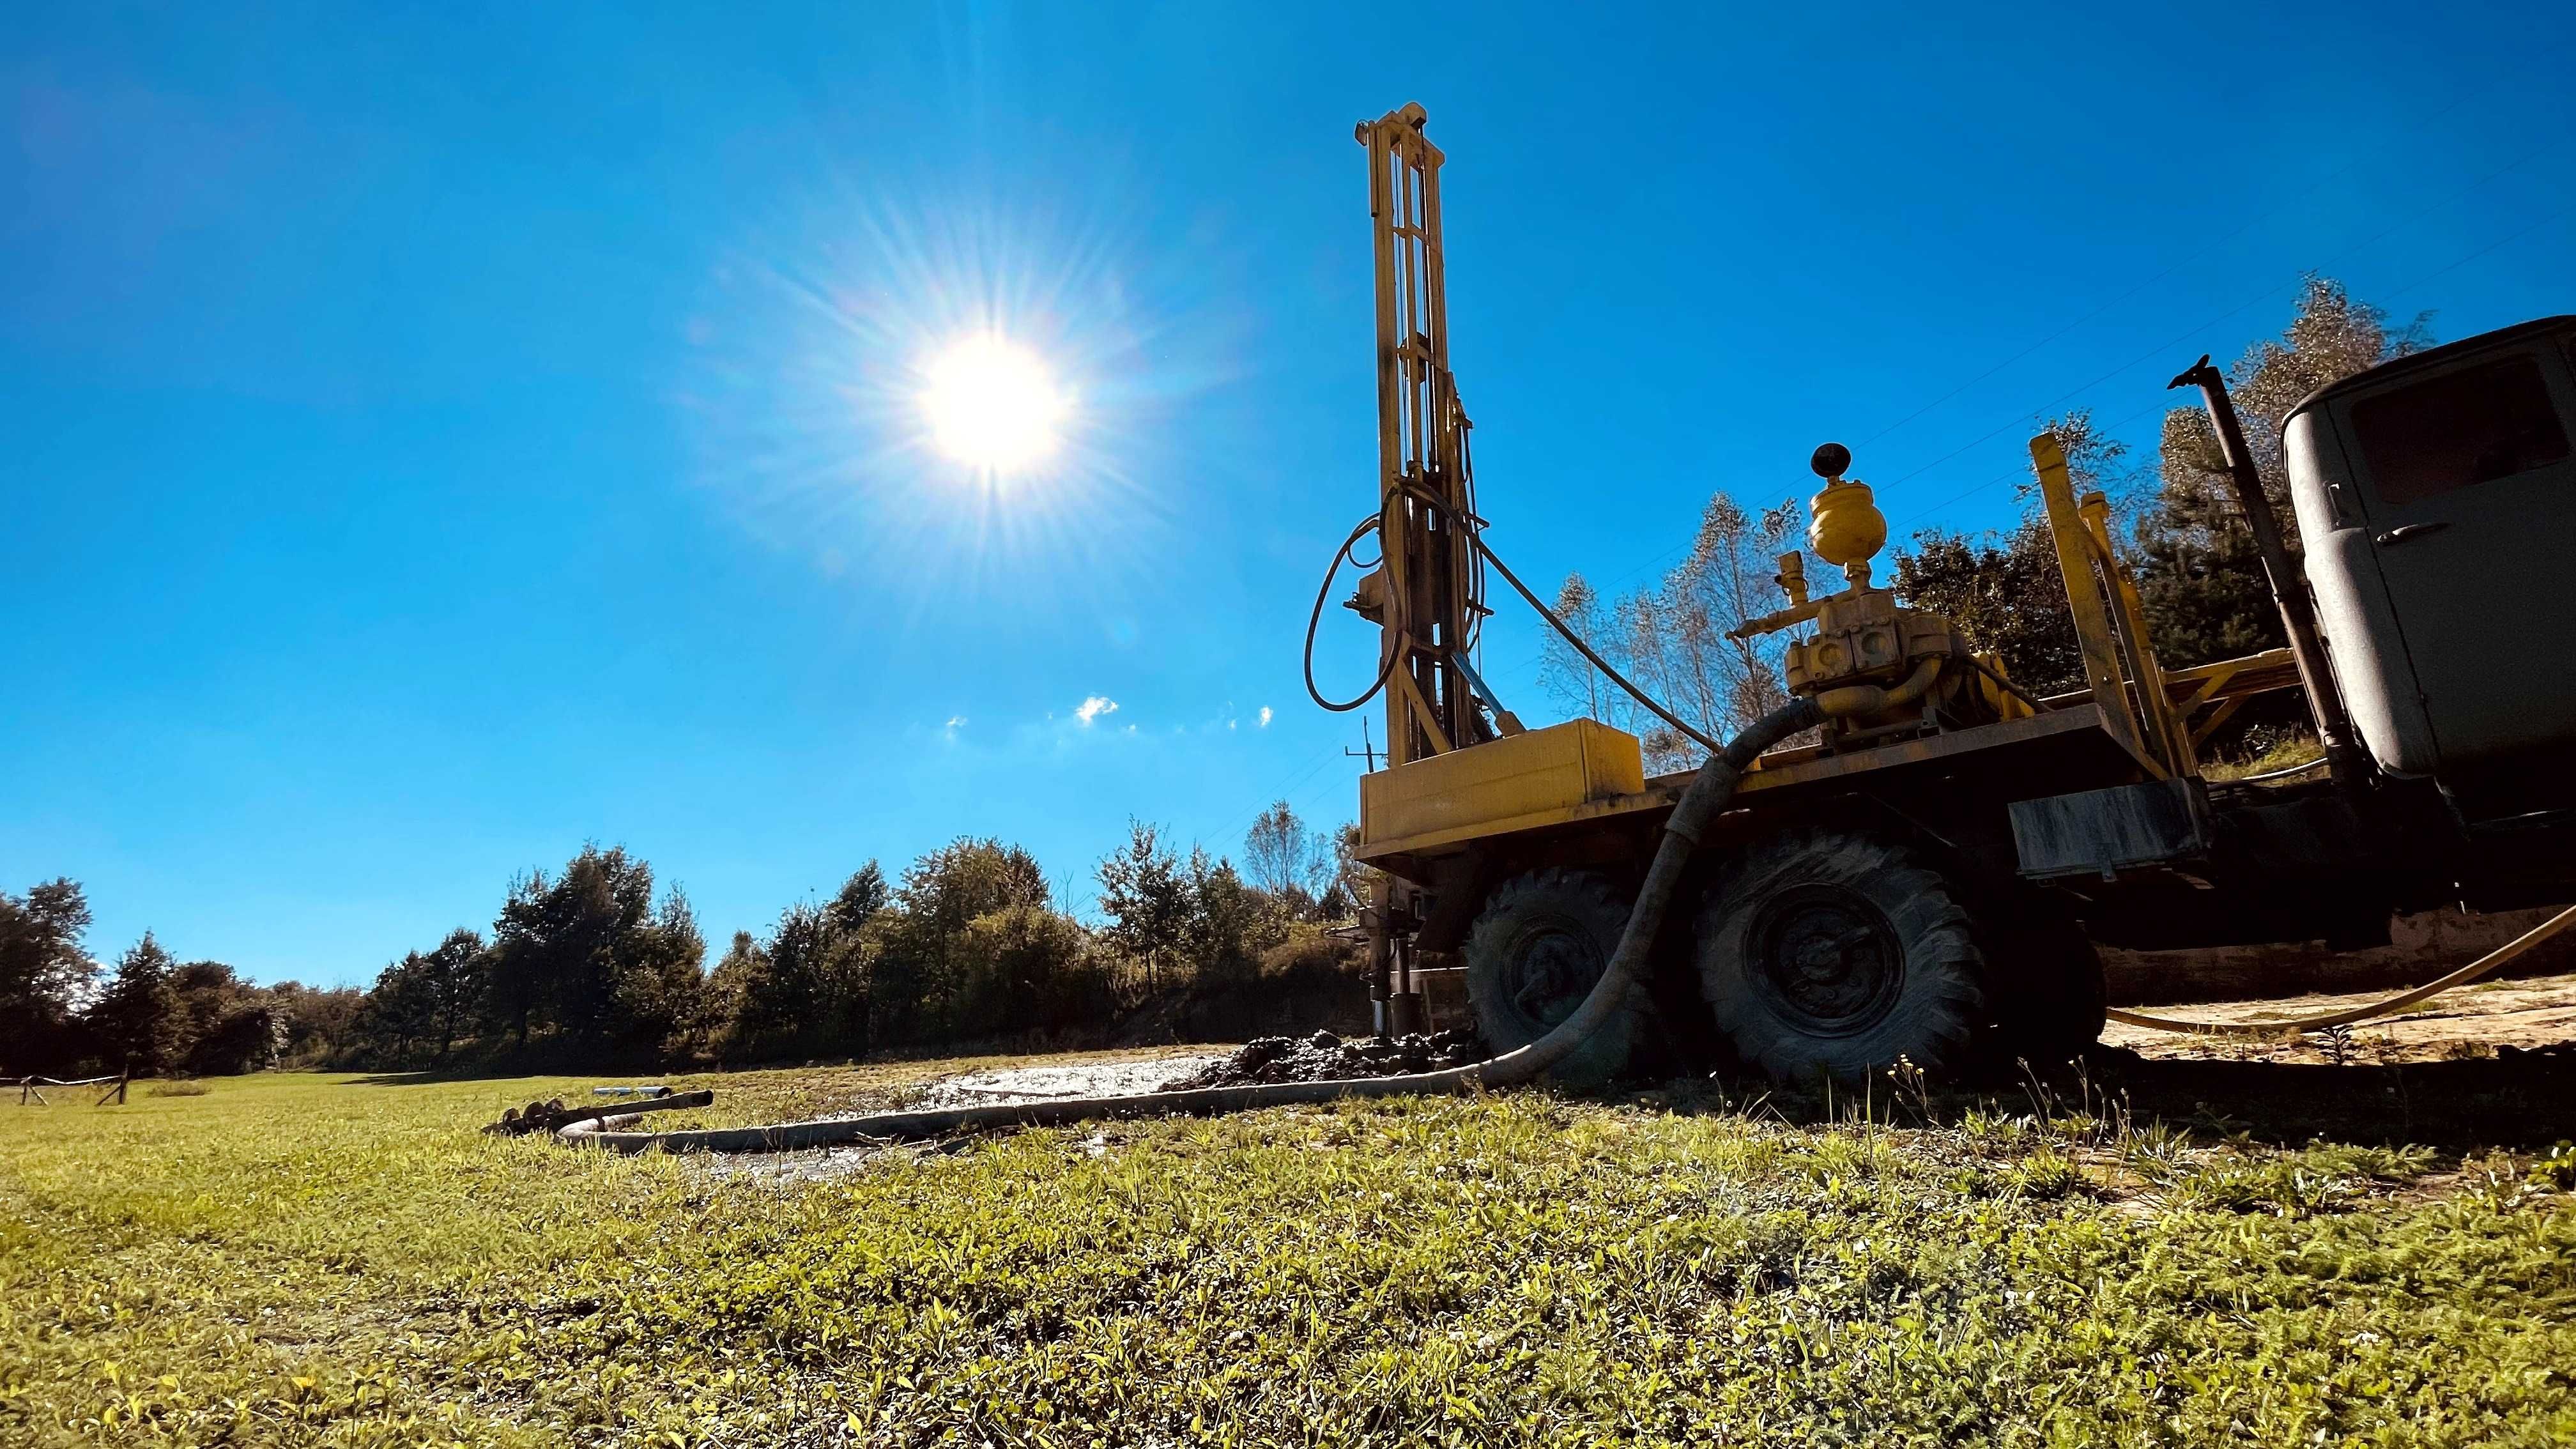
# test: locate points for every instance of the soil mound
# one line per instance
(1325, 1057)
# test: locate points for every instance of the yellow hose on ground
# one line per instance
(2482, 966)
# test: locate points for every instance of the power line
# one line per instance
(1534, 662)
(2249, 224)
(2518, 235)
(2017, 470)
(1666, 558)
(1284, 792)
(2187, 333)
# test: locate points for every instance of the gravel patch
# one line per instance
(1080, 1079)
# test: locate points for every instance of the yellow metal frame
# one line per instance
(1583, 770)
(2110, 625)
(2223, 687)
(1437, 793)
(1518, 782)
(1515, 810)
(1421, 448)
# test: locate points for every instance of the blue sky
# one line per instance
(433, 438)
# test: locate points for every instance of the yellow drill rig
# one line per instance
(1925, 876)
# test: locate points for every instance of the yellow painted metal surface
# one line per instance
(1424, 602)
(1441, 832)
(1846, 527)
(1532, 778)
(2203, 685)
(1990, 688)
(1861, 636)
(2129, 616)
(2084, 599)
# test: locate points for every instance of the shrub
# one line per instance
(1026, 968)
(1310, 957)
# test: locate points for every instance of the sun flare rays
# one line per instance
(946, 395)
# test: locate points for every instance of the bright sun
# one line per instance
(992, 405)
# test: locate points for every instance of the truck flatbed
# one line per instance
(2069, 748)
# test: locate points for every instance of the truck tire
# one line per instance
(1535, 952)
(1836, 954)
(2045, 984)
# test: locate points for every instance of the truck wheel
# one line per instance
(1534, 954)
(2047, 988)
(1836, 954)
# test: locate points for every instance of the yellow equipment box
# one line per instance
(1521, 780)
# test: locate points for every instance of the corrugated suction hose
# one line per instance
(1707, 794)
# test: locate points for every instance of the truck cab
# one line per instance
(2436, 497)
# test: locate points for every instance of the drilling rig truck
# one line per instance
(1926, 875)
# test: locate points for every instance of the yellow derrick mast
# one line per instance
(1425, 596)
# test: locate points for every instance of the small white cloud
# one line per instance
(1229, 724)
(1265, 716)
(1093, 708)
(955, 723)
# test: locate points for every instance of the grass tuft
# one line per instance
(2296, 750)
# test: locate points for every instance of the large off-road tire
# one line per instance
(1830, 954)
(1535, 953)
(2044, 983)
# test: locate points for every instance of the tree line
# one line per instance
(63, 1013)
(2200, 578)
(593, 965)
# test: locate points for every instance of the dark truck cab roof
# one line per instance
(2433, 357)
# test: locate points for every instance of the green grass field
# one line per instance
(312, 1259)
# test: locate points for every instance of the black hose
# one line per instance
(1561, 627)
(1475, 532)
(1315, 616)
(1702, 800)
(1484, 554)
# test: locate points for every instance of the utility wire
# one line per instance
(2249, 224)
(1282, 793)
(2514, 236)
(2455, 264)
(2186, 334)
(1666, 558)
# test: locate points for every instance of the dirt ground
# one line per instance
(2493, 1063)
(2489, 1065)
(2474, 1021)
